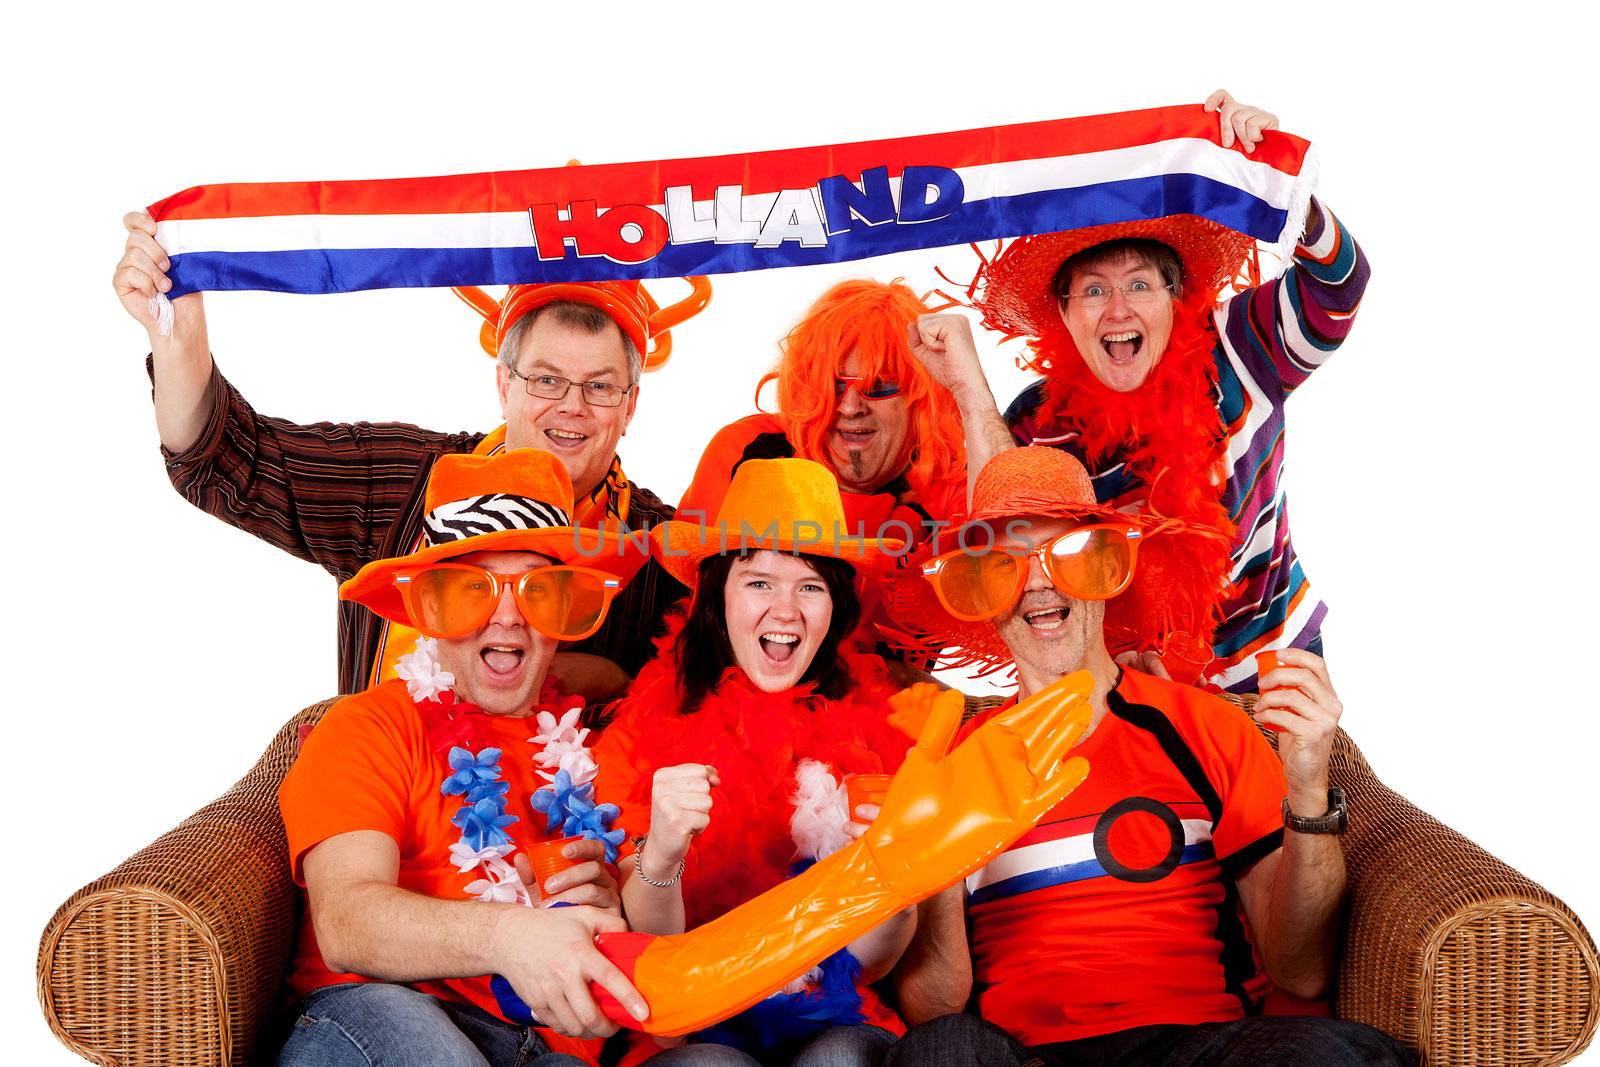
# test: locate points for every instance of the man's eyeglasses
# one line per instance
(1139, 294)
(455, 599)
(554, 387)
(1089, 563)
(878, 389)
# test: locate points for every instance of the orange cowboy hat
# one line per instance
(786, 505)
(628, 303)
(519, 500)
(1013, 289)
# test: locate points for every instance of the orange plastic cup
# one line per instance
(866, 789)
(1185, 657)
(1267, 661)
(547, 861)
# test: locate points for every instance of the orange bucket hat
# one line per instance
(786, 505)
(629, 304)
(1013, 289)
(515, 501)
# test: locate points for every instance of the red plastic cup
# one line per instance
(866, 789)
(1267, 661)
(547, 861)
(1185, 657)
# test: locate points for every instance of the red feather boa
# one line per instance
(1169, 432)
(755, 740)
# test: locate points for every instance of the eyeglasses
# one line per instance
(454, 599)
(1139, 294)
(554, 387)
(879, 389)
(1089, 563)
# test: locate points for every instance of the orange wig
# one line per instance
(869, 320)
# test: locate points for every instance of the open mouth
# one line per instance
(1123, 347)
(856, 436)
(1047, 619)
(566, 438)
(503, 661)
(779, 647)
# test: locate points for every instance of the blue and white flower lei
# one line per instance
(567, 803)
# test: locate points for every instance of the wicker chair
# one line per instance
(177, 956)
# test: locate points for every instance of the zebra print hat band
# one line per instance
(458, 520)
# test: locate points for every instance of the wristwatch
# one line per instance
(1334, 822)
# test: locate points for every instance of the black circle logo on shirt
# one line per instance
(1119, 870)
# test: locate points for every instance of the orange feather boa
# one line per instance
(1169, 433)
(755, 740)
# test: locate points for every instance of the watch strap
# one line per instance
(1334, 822)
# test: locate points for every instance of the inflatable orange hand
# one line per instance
(946, 815)
(967, 807)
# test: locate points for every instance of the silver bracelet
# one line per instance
(638, 867)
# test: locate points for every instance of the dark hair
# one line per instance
(1159, 257)
(585, 318)
(704, 652)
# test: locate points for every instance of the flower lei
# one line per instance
(564, 761)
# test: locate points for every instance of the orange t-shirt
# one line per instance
(369, 766)
(1119, 908)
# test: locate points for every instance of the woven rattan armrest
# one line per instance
(177, 956)
(1447, 948)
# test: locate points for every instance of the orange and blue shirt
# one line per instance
(1119, 909)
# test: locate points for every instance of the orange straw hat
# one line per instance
(1013, 289)
(628, 304)
(518, 500)
(1036, 481)
(1032, 482)
(786, 505)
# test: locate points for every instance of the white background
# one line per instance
(1441, 467)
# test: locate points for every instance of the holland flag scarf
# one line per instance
(721, 214)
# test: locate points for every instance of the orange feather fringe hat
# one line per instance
(1012, 289)
(785, 505)
(515, 501)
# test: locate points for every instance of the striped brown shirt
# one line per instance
(344, 494)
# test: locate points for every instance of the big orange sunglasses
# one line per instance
(454, 599)
(1088, 563)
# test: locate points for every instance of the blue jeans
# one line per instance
(837, 1046)
(1280, 1040)
(368, 1024)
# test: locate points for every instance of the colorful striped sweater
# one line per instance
(1269, 340)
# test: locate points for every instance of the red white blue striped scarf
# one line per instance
(721, 214)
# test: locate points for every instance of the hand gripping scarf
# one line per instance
(723, 214)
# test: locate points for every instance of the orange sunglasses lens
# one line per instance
(1092, 563)
(567, 603)
(979, 585)
(448, 601)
